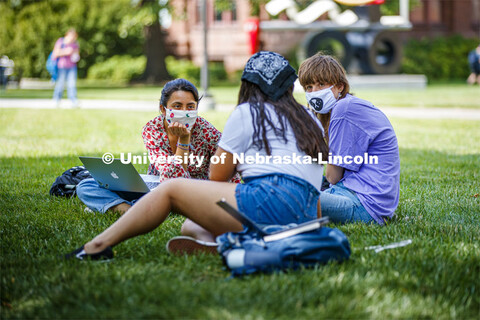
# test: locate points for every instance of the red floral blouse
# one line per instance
(203, 140)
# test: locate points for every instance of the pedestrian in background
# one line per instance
(66, 51)
(6, 69)
(474, 64)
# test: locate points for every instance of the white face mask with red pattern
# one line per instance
(185, 117)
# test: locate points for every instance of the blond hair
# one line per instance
(323, 69)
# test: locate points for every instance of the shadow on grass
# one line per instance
(434, 276)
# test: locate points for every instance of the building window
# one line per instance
(218, 15)
(198, 12)
(226, 12)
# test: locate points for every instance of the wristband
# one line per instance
(183, 148)
(183, 145)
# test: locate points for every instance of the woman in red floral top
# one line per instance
(203, 143)
(177, 132)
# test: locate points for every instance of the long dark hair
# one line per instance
(307, 132)
(178, 85)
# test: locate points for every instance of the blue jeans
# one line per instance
(70, 77)
(277, 199)
(342, 205)
(97, 198)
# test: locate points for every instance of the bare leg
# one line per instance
(191, 229)
(471, 78)
(120, 208)
(195, 199)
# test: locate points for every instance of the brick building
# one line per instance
(228, 40)
(446, 17)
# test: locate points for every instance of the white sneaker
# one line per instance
(88, 210)
(187, 245)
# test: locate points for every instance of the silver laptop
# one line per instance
(118, 176)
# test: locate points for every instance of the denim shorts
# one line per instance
(277, 199)
(342, 205)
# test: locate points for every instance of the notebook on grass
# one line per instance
(273, 236)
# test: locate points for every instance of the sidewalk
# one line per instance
(142, 105)
(136, 105)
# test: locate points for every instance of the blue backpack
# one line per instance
(52, 66)
(285, 247)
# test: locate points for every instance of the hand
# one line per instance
(68, 51)
(179, 130)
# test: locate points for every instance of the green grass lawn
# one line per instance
(436, 277)
(436, 95)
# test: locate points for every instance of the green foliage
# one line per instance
(442, 58)
(118, 68)
(392, 8)
(29, 31)
(292, 57)
(255, 6)
(217, 73)
(145, 14)
(224, 5)
(183, 68)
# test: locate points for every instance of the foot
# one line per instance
(187, 245)
(471, 79)
(88, 210)
(120, 208)
(193, 230)
(80, 254)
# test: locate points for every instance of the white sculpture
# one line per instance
(320, 7)
(312, 12)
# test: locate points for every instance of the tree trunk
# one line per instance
(156, 69)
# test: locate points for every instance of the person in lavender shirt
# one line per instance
(66, 51)
(360, 191)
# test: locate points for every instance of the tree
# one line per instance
(147, 15)
(29, 29)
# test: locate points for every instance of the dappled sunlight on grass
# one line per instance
(436, 276)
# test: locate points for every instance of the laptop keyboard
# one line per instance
(152, 185)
